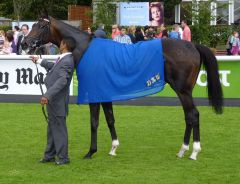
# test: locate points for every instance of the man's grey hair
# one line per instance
(101, 26)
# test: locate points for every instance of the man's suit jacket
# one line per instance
(19, 48)
(57, 81)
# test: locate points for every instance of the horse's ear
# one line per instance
(44, 14)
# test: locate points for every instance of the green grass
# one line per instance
(149, 139)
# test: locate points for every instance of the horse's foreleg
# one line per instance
(108, 111)
(94, 119)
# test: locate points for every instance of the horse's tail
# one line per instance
(215, 94)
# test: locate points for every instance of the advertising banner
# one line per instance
(141, 14)
(18, 75)
(229, 76)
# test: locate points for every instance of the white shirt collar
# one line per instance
(64, 54)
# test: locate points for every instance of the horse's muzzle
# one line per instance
(30, 45)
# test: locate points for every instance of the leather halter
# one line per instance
(41, 37)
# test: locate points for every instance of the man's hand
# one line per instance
(44, 100)
(34, 58)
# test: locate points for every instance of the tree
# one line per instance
(169, 11)
(28, 10)
(105, 12)
(201, 16)
(6, 8)
(20, 7)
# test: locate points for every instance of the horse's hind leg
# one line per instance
(108, 111)
(192, 122)
(94, 118)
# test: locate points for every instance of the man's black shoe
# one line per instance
(44, 160)
(62, 161)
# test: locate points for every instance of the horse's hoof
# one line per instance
(90, 154)
(87, 156)
(179, 155)
(192, 158)
(196, 150)
(112, 153)
(115, 144)
(182, 151)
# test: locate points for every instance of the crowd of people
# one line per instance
(132, 34)
(10, 42)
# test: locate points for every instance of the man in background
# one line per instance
(123, 37)
(25, 31)
(16, 34)
(186, 31)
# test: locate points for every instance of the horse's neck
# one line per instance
(61, 30)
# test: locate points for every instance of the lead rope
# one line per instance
(41, 88)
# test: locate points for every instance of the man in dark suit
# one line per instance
(25, 31)
(56, 97)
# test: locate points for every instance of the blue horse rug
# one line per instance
(111, 71)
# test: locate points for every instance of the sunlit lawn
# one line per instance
(149, 138)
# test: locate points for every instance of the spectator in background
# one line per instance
(100, 33)
(150, 34)
(156, 14)
(180, 30)
(25, 31)
(51, 49)
(235, 43)
(145, 32)
(139, 34)
(123, 38)
(175, 32)
(2, 39)
(89, 30)
(131, 34)
(10, 38)
(163, 32)
(16, 34)
(9, 46)
(229, 45)
(186, 31)
(115, 31)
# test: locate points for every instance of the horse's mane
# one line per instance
(70, 27)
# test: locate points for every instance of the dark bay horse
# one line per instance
(183, 62)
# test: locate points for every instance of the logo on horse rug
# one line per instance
(111, 71)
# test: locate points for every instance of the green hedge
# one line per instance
(212, 36)
(5, 28)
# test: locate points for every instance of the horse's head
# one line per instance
(38, 36)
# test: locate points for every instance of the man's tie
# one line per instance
(57, 60)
